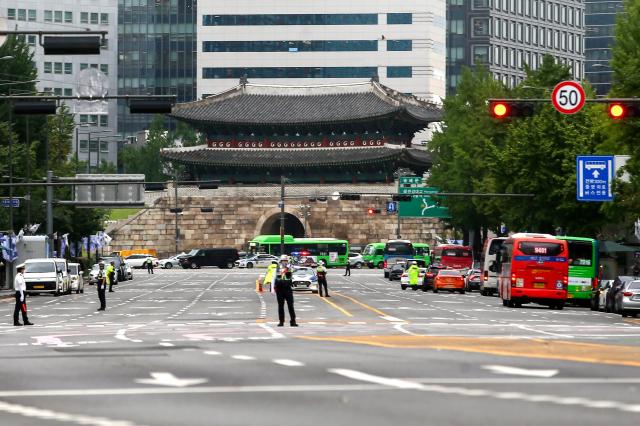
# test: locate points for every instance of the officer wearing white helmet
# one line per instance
(101, 285)
(284, 291)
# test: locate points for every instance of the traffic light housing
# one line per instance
(506, 109)
(401, 197)
(373, 211)
(622, 110)
(349, 196)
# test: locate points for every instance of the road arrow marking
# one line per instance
(168, 379)
(503, 369)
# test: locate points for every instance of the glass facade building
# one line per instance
(506, 35)
(600, 21)
(156, 54)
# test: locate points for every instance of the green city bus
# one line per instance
(421, 251)
(373, 255)
(332, 251)
(583, 268)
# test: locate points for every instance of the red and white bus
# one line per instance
(453, 256)
(533, 268)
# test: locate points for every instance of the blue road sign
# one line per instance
(392, 207)
(594, 177)
(6, 202)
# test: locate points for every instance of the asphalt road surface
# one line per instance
(201, 347)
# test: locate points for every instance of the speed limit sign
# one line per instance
(568, 97)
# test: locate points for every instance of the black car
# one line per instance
(430, 275)
(473, 279)
(396, 271)
(223, 258)
(118, 265)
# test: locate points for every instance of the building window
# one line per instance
(480, 27)
(84, 66)
(505, 29)
(57, 16)
(290, 72)
(399, 18)
(550, 38)
(512, 58)
(527, 7)
(104, 121)
(47, 90)
(83, 118)
(454, 80)
(549, 11)
(57, 67)
(295, 19)
(519, 33)
(570, 42)
(84, 145)
(480, 55)
(456, 2)
(570, 14)
(57, 91)
(556, 39)
(399, 72)
(496, 27)
(534, 36)
(94, 66)
(68, 68)
(505, 57)
(556, 12)
(93, 145)
(11, 14)
(31, 40)
(104, 19)
(527, 34)
(48, 67)
(84, 17)
(541, 10)
(519, 59)
(399, 45)
(519, 6)
(534, 8)
(93, 119)
(456, 26)
(68, 17)
(301, 46)
(481, 4)
(104, 146)
(22, 14)
(104, 68)
(512, 30)
(456, 54)
(68, 92)
(33, 15)
(94, 18)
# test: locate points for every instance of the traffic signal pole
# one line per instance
(398, 213)
(281, 203)
(50, 212)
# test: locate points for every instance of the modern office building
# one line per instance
(66, 75)
(324, 42)
(156, 56)
(600, 22)
(504, 35)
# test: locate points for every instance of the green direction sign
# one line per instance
(417, 190)
(410, 180)
(422, 206)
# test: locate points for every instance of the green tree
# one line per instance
(146, 159)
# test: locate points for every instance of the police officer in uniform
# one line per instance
(321, 271)
(149, 263)
(102, 287)
(20, 286)
(284, 291)
(111, 275)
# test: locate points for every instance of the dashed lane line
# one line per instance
(50, 415)
(288, 362)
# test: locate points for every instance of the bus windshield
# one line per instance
(580, 253)
(398, 248)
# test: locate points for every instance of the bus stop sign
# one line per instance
(594, 177)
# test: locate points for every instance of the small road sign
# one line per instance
(6, 202)
(568, 97)
(392, 207)
(410, 180)
(417, 190)
(594, 177)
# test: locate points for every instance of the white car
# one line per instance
(77, 281)
(169, 262)
(47, 276)
(138, 260)
(128, 271)
(404, 278)
(256, 261)
(356, 260)
(304, 278)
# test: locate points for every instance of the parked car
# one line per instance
(118, 265)
(609, 303)
(449, 279)
(46, 276)
(599, 295)
(77, 280)
(627, 300)
(138, 260)
(356, 260)
(473, 279)
(258, 260)
(93, 273)
(170, 262)
(304, 278)
(128, 271)
(430, 275)
(220, 257)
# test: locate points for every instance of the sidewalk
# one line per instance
(7, 294)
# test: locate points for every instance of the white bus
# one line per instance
(491, 247)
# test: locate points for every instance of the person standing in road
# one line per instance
(101, 285)
(321, 271)
(111, 275)
(347, 270)
(20, 286)
(414, 273)
(269, 277)
(284, 291)
(149, 263)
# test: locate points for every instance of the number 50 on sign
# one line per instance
(568, 97)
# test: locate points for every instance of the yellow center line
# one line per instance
(344, 311)
(367, 307)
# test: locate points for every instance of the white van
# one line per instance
(77, 282)
(489, 283)
(46, 276)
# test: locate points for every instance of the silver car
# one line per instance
(627, 300)
(304, 278)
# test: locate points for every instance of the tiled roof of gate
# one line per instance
(279, 105)
(295, 157)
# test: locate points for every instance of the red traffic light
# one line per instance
(500, 109)
(372, 211)
(617, 111)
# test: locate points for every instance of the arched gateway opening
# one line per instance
(292, 225)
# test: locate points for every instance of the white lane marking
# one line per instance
(401, 329)
(166, 344)
(504, 369)
(23, 410)
(537, 330)
(364, 377)
(274, 334)
(162, 378)
(122, 335)
(288, 362)
(392, 319)
(243, 357)
(444, 301)
(212, 353)
(525, 381)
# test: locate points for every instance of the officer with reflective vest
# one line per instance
(321, 271)
(284, 291)
(414, 275)
(269, 277)
(111, 275)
